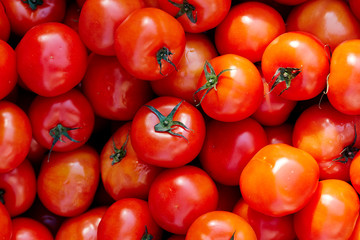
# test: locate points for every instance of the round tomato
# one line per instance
(8, 73)
(279, 180)
(179, 195)
(27, 228)
(51, 59)
(5, 223)
(4, 24)
(149, 43)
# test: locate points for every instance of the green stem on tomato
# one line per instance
(146, 235)
(284, 75)
(2, 192)
(33, 3)
(119, 153)
(186, 8)
(164, 54)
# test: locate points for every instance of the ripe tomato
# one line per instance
(72, 16)
(15, 136)
(51, 59)
(228, 226)
(5, 223)
(62, 123)
(197, 15)
(230, 88)
(356, 232)
(330, 20)
(248, 29)
(167, 132)
(330, 214)
(113, 92)
(279, 180)
(343, 85)
(4, 24)
(128, 219)
(179, 195)
(225, 160)
(24, 228)
(296, 65)
(149, 43)
(67, 182)
(99, 20)
(183, 83)
(8, 73)
(26, 14)
(123, 174)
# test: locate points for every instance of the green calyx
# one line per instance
(284, 75)
(33, 3)
(186, 8)
(211, 80)
(233, 236)
(164, 54)
(2, 192)
(146, 235)
(348, 152)
(167, 124)
(119, 154)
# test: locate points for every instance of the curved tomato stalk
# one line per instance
(348, 152)
(164, 54)
(186, 8)
(57, 132)
(119, 154)
(2, 192)
(166, 123)
(33, 3)
(211, 80)
(146, 236)
(284, 75)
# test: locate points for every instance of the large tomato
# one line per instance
(4, 24)
(5, 223)
(28, 228)
(149, 43)
(8, 73)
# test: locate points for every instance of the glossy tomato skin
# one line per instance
(5, 223)
(208, 13)
(15, 136)
(72, 110)
(313, 17)
(279, 180)
(83, 226)
(335, 199)
(4, 25)
(51, 59)
(67, 182)
(228, 224)
(238, 93)
(127, 219)
(225, 160)
(8, 73)
(113, 92)
(343, 82)
(183, 83)
(22, 17)
(24, 228)
(141, 36)
(99, 20)
(162, 148)
(130, 177)
(179, 195)
(248, 29)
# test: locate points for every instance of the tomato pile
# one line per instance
(179, 119)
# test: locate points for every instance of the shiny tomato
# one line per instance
(230, 88)
(67, 182)
(8, 73)
(279, 134)
(167, 132)
(248, 29)
(25, 228)
(330, 214)
(229, 226)
(225, 160)
(279, 180)
(99, 20)
(4, 24)
(197, 15)
(179, 195)
(128, 219)
(51, 59)
(15, 136)
(5, 223)
(149, 43)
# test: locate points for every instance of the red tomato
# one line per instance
(354, 172)
(343, 83)
(230, 88)
(84, 226)
(62, 123)
(26, 14)
(5, 223)
(15, 136)
(248, 29)
(67, 182)
(330, 20)
(24, 228)
(149, 43)
(99, 20)
(225, 160)
(179, 195)
(330, 214)
(72, 16)
(51, 59)
(296, 65)
(197, 15)
(183, 83)
(279, 134)
(4, 24)
(356, 232)
(36, 153)
(8, 74)
(122, 173)
(228, 226)
(113, 92)
(279, 180)
(167, 132)
(128, 219)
